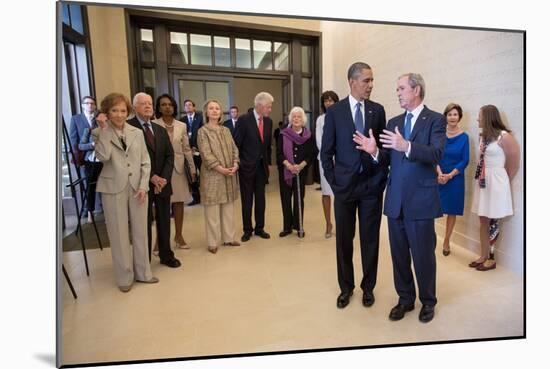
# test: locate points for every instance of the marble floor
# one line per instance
(270, 295)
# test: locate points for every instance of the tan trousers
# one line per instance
(129, 260)
(220, 223)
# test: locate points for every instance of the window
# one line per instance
(72, 17)
(196, 60)
(306, 59)
(147, 46)
(76, 80)
(222, 51)
(201, 49)
(262, 55)
(178, 48)
(280, 56)
(149, 82)
(243, 53)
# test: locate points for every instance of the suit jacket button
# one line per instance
(129, 174)
(128, 164)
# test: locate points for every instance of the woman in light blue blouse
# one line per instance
(451, 171)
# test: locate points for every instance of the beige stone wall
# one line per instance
(109, 50)
(471, 68)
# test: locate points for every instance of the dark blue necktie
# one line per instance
(408, 123)
(359, 125)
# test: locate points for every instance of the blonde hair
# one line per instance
(205, 110)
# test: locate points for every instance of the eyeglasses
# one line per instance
(88, 103)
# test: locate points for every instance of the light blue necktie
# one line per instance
(408, 123)
(359, 125)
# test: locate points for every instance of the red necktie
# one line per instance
(261, 127)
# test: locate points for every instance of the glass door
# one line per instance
(201, 88)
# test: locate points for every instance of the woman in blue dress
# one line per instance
(451, 171)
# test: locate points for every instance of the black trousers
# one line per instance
(289, 200)
(253, 192)
(162, 220)
(93, 169)
(369, 209)
(414, 238)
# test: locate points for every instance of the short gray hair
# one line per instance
(300, 111)
(415, 79)
(138, 95)
(355, 69)
(263, 98)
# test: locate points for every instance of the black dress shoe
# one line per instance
(368, 298)
(263, 234)
(246, 236)
(343, 299)
(172, 263)
(398, 311)
(426, 313)
(284, 233)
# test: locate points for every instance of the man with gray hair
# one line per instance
(357, 179)
(253, 138)
(162, 162)
(416, 141)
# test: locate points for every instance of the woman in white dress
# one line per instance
(166, 109)
(498, 164)
(328, 98)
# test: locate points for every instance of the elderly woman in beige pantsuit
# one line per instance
(166, 109)
(219, 188)
(124, 182)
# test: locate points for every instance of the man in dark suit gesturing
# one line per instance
(253, 138)
(356, 178)
(162, 163)
(417, 141)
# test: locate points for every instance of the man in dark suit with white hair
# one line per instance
(253, 139)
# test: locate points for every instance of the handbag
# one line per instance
(188, 175)
(78, 157)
